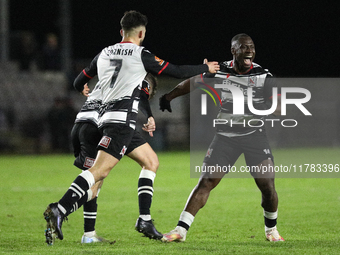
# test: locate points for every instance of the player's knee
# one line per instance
(207, 184)
(104, 173)
(269, 193)
(152, 164)
(100, 173)
(268, 189)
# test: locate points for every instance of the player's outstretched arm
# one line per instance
(181, 89)
(155, 65)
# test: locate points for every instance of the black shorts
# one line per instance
(85, 137)
(119, 139)
(224, 151)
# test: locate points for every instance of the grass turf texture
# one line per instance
(230, 223)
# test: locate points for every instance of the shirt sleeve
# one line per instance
(155, 65)
(86, 74)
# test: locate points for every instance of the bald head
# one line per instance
(237, 37)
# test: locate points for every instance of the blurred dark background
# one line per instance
(293, 38)
(44, 45)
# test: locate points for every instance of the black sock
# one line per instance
(183, 225)
(145, 192)
(269, 223)
(90, 214)
(76, 191)
(78, 204)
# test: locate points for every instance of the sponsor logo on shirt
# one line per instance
(160, 61)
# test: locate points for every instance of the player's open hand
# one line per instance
(150, 126)
(213, 66)
(164, 104)
(86, 90)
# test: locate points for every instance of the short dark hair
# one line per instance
(132, 19)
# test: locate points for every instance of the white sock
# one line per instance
(90, 234)
(145, 217)
(61, 208)
(144, 173)
(88, 176)
(98, 192)
(187, 218)
(270, 215)
(89, 195)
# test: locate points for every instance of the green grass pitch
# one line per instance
(230, 223)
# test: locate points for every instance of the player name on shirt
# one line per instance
(120, 52)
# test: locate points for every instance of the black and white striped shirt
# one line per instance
(121, 69)
(260, 80)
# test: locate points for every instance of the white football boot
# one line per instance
(177, 235)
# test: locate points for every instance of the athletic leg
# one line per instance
(56, 212)
(223, 151)
(90, 216)
(90, 210)
(85, 138)
(257, 149)
(266, 183)
(101, 168)
(197, 200)
(200, 194)
(148, 160)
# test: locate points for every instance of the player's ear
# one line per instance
(122, 32)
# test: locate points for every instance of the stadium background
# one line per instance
(293, 40)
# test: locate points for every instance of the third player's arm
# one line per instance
(181, 89)
(86, 75)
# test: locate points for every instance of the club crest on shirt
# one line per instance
(160, 61)
(252, 81)
(105, 142)
(88, 162)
